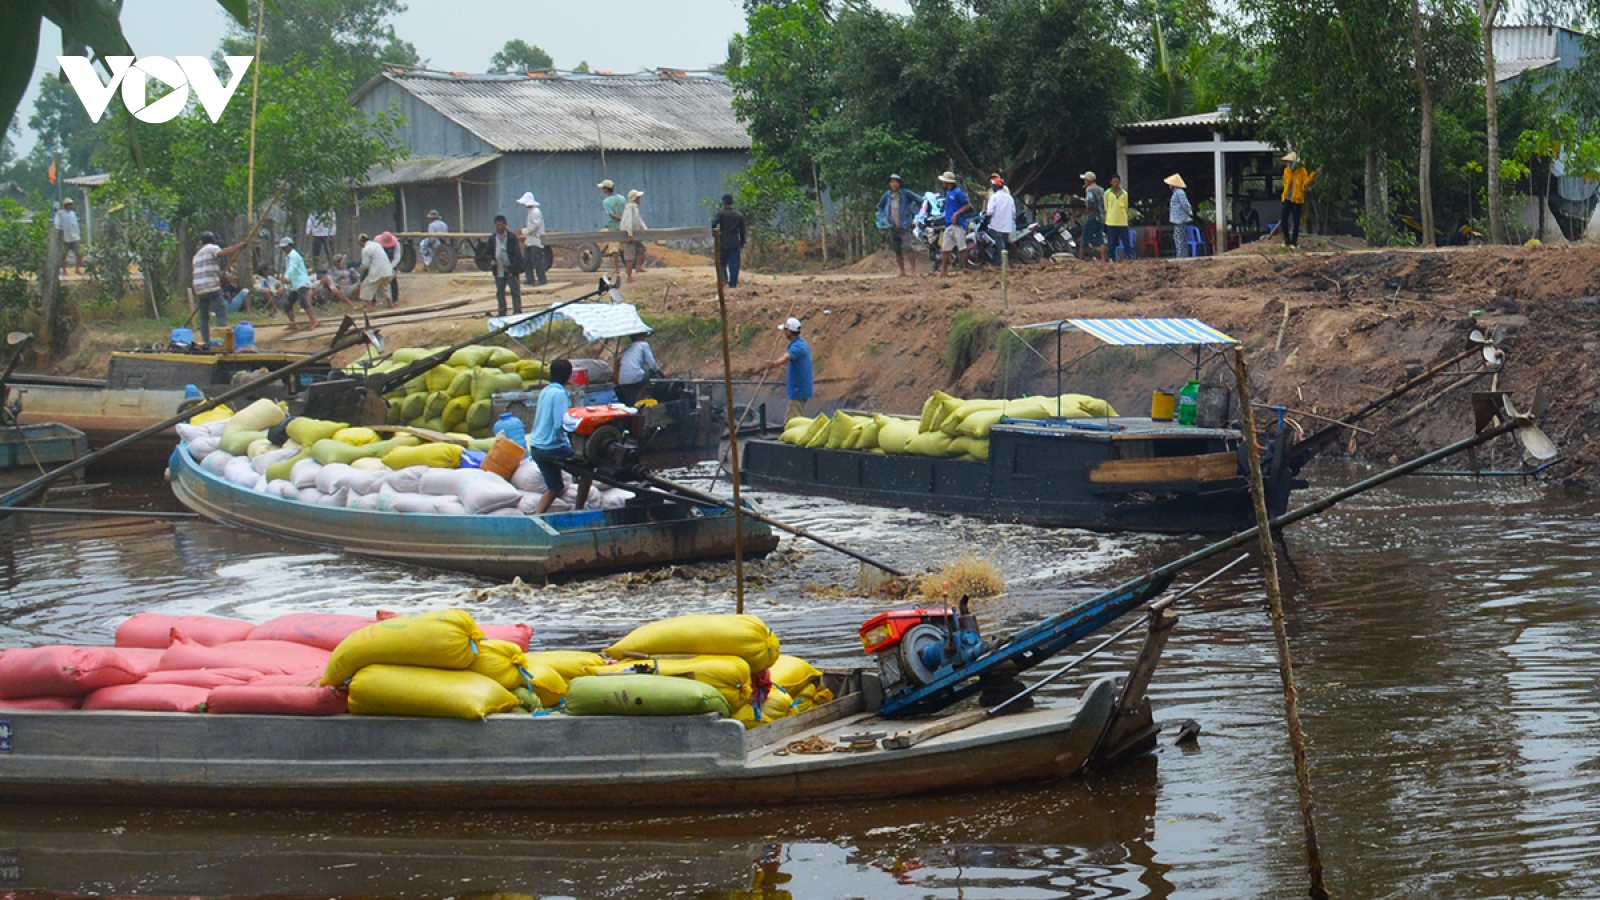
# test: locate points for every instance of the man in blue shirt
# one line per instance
(548, 443)
(957, 213)
(298, 290)
(798, 359)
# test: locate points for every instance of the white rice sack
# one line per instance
(216, 428)
(258, 447)
(309, 495)
(369, 464)
(239, 472)
(594, 500)
(447, 482)
(405, 481)
(339, 498)
(359, 482)
(304, 474)
(483, 495)
(528, 503)
(189, 433)
(275, 489)
(216, 463)
(405, 503)
(449, 506)
(202, 448)
(266, 460)
(508, 511)
(527, 477)
(615, 498)
(328, 477)
(369, 502)
(260, 485)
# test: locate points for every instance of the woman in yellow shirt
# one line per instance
(1295, 182)
(1118, 234)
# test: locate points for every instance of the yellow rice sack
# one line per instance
(258, 416)
(894, 434)
(510, 668)
(777, 705)
(794, 430)
(469, 357)
(500, 357)
(569, 664)
(528, 369)
(356, 437)
(932, 443)
(238, 443)
(1091, 406)
(793, 673)
(811, 697)
(216, 414)
(744, 636)
(439, 377)
(331, 450)
(438, 456)
(455, 412)
(390, 690)
(279, 471)
(935, 410)
(952, 422)
(864, 436)
(444, 639)
(969, 448)
(413, 406)
(730, 675)
(839, 430)
(307, 431)
(257, 448)
(434, 407)
(817, 434)
(480, 415)
(461, 385)
(978, 424)
(488, 382)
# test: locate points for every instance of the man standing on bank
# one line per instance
(798, 358)
(896, 209)
(505, 260)
(731, 245)
(1295, 182)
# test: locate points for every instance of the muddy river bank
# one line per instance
(1444, 630)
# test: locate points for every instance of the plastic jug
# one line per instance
(1188, 400)
(244, 337)
(511, 427)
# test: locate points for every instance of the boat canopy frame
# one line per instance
(1169, 334)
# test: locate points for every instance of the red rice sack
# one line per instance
(206, 678)
(519, 634)
(41, 703)
(150, 698)
(154, 630)
(61, 671)
(323, 630)
(266, 657)
(278, 700)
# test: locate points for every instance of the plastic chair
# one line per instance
(1196, 242)
(1124, 248)
(1150, 244)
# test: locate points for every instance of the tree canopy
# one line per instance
(354, 38)
(520, 56)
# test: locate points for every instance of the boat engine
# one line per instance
(915, 646)
(603, 438)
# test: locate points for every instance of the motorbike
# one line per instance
(1058, 236)
(1030, 245)
(984, 249)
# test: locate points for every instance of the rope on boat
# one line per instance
(1269, 573)
(811, 745)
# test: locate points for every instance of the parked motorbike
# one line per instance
(985, 249)
(1058, 236)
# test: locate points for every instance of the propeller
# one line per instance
(1533, 440)
(1490, 344)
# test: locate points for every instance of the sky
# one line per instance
(461, 35)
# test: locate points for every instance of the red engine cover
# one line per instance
(592, 417)
(885, 629)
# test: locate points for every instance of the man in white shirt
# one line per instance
(534, 262)
(436, 225)
(321, 228)
(376, 268)
(1002, 210)
(66, 219)
(634, 371)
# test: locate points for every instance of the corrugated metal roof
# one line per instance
(423, 169)
(1198, 120)
(1507, 69)
(559, 114)
(94, 180)
(1143, 332)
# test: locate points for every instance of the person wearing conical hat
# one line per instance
(1295, 182)
(1180, 213)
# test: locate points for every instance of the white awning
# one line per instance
(1143, 332)
(599, 321)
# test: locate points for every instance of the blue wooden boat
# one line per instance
(43, 444)
(646, 533)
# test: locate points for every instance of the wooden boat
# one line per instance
(47, 443)
(140, 389)
(530, 547)
(556, 761)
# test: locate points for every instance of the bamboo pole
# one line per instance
(255, 92)
(733, 433)
(1269, 572)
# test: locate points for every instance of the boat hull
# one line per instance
(106, 416)
(529, 547)
(45, 443)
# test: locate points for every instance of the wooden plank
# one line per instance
(1205, 467)
(784, 729)
(903, 740)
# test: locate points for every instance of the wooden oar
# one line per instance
(12, 497)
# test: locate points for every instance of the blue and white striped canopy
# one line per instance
(599, 321)
(1143, 332)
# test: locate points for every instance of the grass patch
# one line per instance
(972, 333)
(966, 576)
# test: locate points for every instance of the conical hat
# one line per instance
(1175, 180)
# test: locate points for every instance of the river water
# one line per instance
(1443, 630)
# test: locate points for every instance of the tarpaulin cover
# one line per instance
(1143, 332)
(599, 321)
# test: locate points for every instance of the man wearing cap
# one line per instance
(957, 213)
(208, 297)
(436, 225)
(533, 240)
(896, 209)
(728, 224)
(505, 260)
(1002, 212)
(298, 292)
(613, 204)
(1295, 181)
(66, 219)
(376, 270)
(1094, 219)
(798, 359)
(321, 228)
(1180, 213)
(633, 228)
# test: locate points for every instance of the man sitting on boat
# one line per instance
(634, 371)
(548, 443)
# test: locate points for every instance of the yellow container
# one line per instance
(1162, 406)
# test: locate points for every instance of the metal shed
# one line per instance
(477, 142)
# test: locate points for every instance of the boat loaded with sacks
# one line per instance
(440, 500)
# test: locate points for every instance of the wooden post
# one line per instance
(461, 208)
(822, 212)
(733, 434)
(1269, 573)
(1005, 288)
(255, 93)
(49, 293)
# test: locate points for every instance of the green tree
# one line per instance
(781, 70)
(355, 38)
(520, 56)
(63, 130)
(582, 68)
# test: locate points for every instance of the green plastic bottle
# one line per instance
(1188, 400)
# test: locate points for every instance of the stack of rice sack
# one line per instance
(195, 664)
(455, 395)
(332, 464)
(949, 428)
